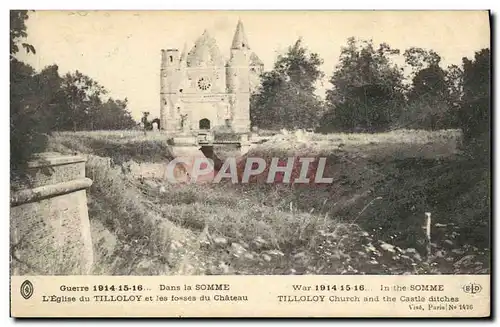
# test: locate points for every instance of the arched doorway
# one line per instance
(204, 123)
(157, 122)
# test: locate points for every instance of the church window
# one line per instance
(204, 83)
(180, 90)
(171, 59)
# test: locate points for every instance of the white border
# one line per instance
(256, 5)
(191, 5)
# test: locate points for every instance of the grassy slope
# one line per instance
(368, 221)
(120, 147)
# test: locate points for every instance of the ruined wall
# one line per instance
(49, 222)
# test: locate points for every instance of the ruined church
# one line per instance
(200, 90)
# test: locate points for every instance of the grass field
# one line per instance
(369, 220)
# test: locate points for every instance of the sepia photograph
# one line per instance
(102, 102)
(201, 143)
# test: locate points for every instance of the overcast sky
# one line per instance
(121, 49)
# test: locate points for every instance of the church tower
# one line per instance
(169, 81)
(201, 90)
(238, 81)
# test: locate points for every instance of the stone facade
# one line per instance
(49, 222)
(201, 90)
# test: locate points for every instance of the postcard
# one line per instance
(250, 163)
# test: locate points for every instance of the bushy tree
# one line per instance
(428, 98)
(367, 88)
(86, 109)
(43, 102)
(455, 85)
(475, 110)
(113, 115)
(18, 32)
(419, 59)
(475, 104)
(286, 98)
(83, 96)
(29, 118)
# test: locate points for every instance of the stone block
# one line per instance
(49, 222)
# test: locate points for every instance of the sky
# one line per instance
(121, 49)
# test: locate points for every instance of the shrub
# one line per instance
(474, 117)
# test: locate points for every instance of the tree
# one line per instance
(28, 116)
(48, 88)
(28, 108)
(123, 117)
(429, 82)
(367, 88)
(475, 105)
(454, 83)
(80, 105)
(18, 32)
(286, 97)
(418, 58)
(113, 115)
(428, 96)
(45, 101)
(83, 96)
(145, 122)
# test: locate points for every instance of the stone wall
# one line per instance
(49, 222)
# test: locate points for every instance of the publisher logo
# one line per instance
(27, 289)
(472, 288)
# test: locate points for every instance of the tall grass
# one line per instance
(150, 227)
(117, 145)
(117, 205)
